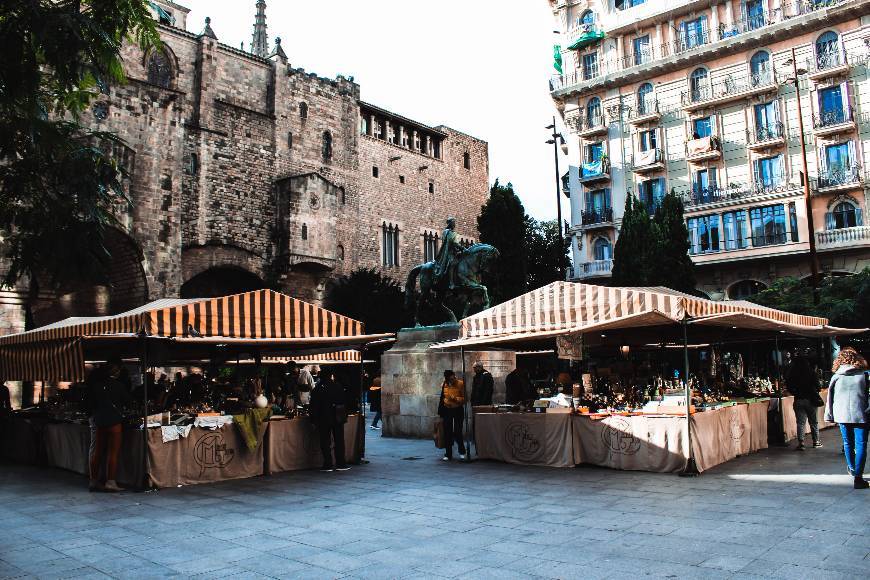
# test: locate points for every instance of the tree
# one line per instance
(60, 186)
(369, 296)
(542, 244)
(634, 253)
(502, 223)
(672, 266)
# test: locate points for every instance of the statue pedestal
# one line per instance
(412, 373)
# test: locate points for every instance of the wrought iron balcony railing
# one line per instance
(590, 217)
(831, 117)
(765, 133)
(729, 86)
(839, 176)
(644, 107)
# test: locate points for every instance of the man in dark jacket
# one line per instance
(481, 386)
(518, 387)
(329, 414)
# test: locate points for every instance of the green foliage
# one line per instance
(672, 267)
(367, 295)
(59, 183)
(635, 248)
(502, 223)
(542, 243)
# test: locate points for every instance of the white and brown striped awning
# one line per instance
(570, 308)
(246, 320)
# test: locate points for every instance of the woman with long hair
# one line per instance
(848, 406)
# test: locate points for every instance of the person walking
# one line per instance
(375, 402)
(451, 408)
(848, 406)
(481, 385)
(107, 396)
(801, 382)
(329, 414)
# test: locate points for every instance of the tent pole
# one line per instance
(465, 419)
(361, 424)
(781, 436)
(691, 469)
(143, 367)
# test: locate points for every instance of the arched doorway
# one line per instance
(221, 281)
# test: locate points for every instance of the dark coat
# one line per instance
(327, 401)
(106, 398)
(802, 385)
(517, 388)
(481, 389)
(375, 400)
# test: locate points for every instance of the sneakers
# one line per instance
(800, 447)
(818, 444)
(375, 427)
(327, 469)
(462, 456)
(343, 468)
(860, 483)
(445, 458)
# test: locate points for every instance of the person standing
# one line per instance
(481, 385)
(5, 399)
(518, 387)
(375, 402)
(107, 397)
(451, 408)
(802, 383)
(848, 406)
(301, 382)
(329, 415)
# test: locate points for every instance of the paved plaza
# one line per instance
(778, 513)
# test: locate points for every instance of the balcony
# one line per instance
(827, 65)
(584, 35)
(745, 25)
(645, 111)
(730, 89)
(600, 217)
(737, 193)
(703, 149)
(648, 161)
(833, 121)
(595, 171)
(596, 269)
(843, 238)
(591, 126)
(837, 179)
(766, 137)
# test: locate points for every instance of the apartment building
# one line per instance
(699, 98)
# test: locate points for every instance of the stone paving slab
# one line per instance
(774, 514)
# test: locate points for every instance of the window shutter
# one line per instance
(853, 160)
(829, 221)
(711, 173)
(607, 198)
(859, 217)
(756, 171)
(844, 94)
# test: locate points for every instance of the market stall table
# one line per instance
(295, 444)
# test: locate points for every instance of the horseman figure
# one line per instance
(448, 256)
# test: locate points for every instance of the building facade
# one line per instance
(699, 98)
(246, 172)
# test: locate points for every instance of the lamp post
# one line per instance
(557, 140)
(814, 257)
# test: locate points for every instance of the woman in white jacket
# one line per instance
(849, 407)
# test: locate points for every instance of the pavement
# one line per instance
(407, 514)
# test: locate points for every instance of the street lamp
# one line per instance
(814, 257)
(556, 141)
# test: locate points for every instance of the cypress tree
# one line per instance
(502, 223)
(671, 265)
(634, 253)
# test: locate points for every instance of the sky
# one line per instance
(478, 66)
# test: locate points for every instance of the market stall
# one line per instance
(214, 424)
(646, 418)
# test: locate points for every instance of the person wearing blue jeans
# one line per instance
(849, 405)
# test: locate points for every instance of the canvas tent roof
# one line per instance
(563, 308)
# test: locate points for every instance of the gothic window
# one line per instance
(431, 187)
(339, 252)
(327, 146)
(304, 231)
(390, 245)
(375, 171)
(844, 215)
(466, 160)
(430, 246)
(159, 69)
(364, 126)
(303, 111)
(289, 140)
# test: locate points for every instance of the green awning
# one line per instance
(586, 38)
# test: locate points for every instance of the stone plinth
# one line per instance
(412, 373)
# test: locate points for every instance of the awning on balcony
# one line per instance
(586, 38)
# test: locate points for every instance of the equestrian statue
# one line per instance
(455, 271)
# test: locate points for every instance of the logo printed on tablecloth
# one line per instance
(211, 452)
(617, 436)
(524, 445)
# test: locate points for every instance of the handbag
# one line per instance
(438, 433)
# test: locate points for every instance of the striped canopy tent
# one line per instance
(340, 357)
(262, 323)
(633, 315)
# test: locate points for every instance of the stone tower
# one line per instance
(259, 40)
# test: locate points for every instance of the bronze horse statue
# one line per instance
(470, 266)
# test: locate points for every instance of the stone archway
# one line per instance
(221, 281)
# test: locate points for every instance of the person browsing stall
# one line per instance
(802, 383)
(301, 382)
(451, 409)
(481, 385)
(329, 415)
(107, 396)
(375, 402)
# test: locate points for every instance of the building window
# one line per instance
(593, 113)
(430, 246)
(363, 125)
(702, 127)
(598, 208)
(377, 129)
(304, 231)
(833, 106)
(289, 140)
(768, 225)
(646, 140)
(844, 215)
(767, 125)
(159, 69)
(390, 245)
(693, 33)
(754, 10)
(339, 252)
(734, 230)
(699, 85)
(375, 171)
(431, 187)
(590, 65)
(327, 146)
(651, 192)
(401, 179)
(466, 160)
(602, 250)
(704, 186)
(792, 221)
(838, 165)
(759, 69)
(625, 4)
(828, 51)
(703, 234)
(645, 101)
(745, 289)
(642, 52)
(769, 173)
(193, 167)
(303, 111)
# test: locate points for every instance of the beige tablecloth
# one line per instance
(637, 443)
(525, 438)
(295, 444)
(789, 421)
(67, 445)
